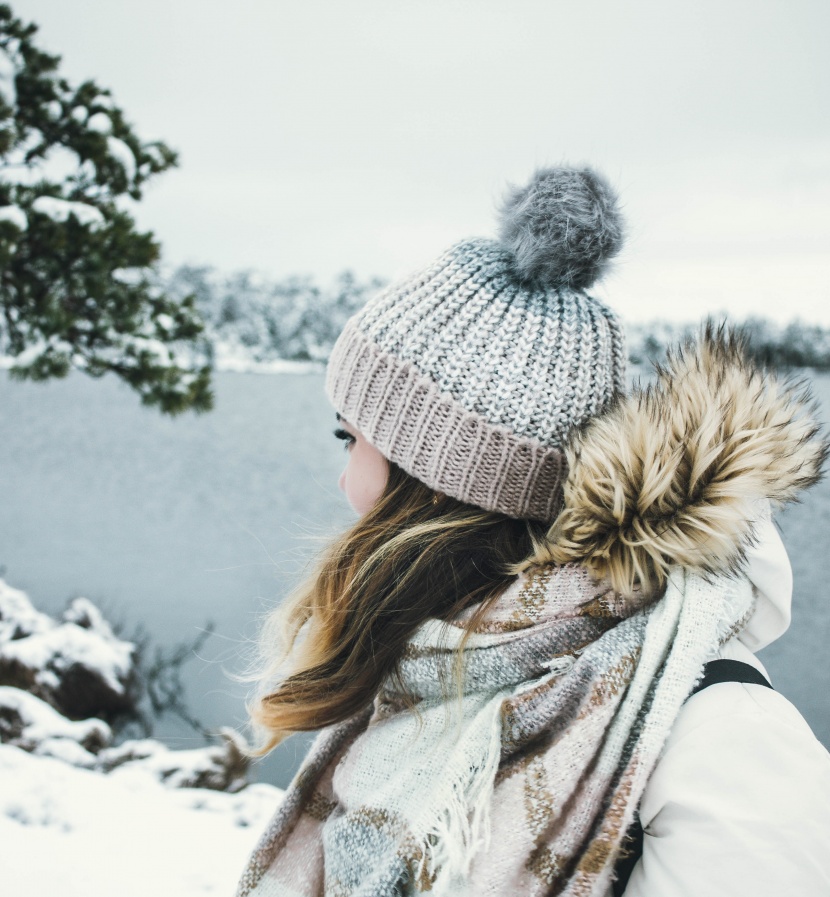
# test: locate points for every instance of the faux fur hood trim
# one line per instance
(672, 473)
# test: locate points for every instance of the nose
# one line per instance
(341, 483)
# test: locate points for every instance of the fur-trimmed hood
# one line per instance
(674, 473)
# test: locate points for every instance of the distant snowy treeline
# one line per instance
(795, 345)
(266, 324)
(253, 321)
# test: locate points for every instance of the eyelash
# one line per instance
(346, 436)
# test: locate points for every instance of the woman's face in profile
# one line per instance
(367, 470)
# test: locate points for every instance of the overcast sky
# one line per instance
(371, 134)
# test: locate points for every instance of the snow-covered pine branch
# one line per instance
(71, 167)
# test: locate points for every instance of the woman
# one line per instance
(500, 653)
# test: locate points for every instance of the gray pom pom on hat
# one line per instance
(563, 227)
(472, 373)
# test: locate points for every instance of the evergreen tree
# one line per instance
(79, 285)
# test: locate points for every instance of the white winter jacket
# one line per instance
(739, 803)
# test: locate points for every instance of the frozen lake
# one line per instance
(170, 523)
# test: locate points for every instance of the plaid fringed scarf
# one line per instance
(527, 781)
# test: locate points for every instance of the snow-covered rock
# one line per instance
(219, 767)
(57, 677)
(80, 668)
(130, 819)
(29, 723)
(18, 617)
(69, 651)
(82, 612)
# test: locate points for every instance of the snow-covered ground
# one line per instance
(75, 833)
(83, 815)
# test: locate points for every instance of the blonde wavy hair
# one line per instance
(415, 555)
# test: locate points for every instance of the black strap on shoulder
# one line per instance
(715, 672)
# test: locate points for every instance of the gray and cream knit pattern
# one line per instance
(471, 374)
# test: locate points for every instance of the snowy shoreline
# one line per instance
(130, 817)
(227, 360)
(230, 358)
(78, 833)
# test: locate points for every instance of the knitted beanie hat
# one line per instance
(471, 374)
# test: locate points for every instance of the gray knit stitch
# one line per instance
(497, 369)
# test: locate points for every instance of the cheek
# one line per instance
(365, 477)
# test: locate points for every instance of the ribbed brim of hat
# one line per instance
(434, 438)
